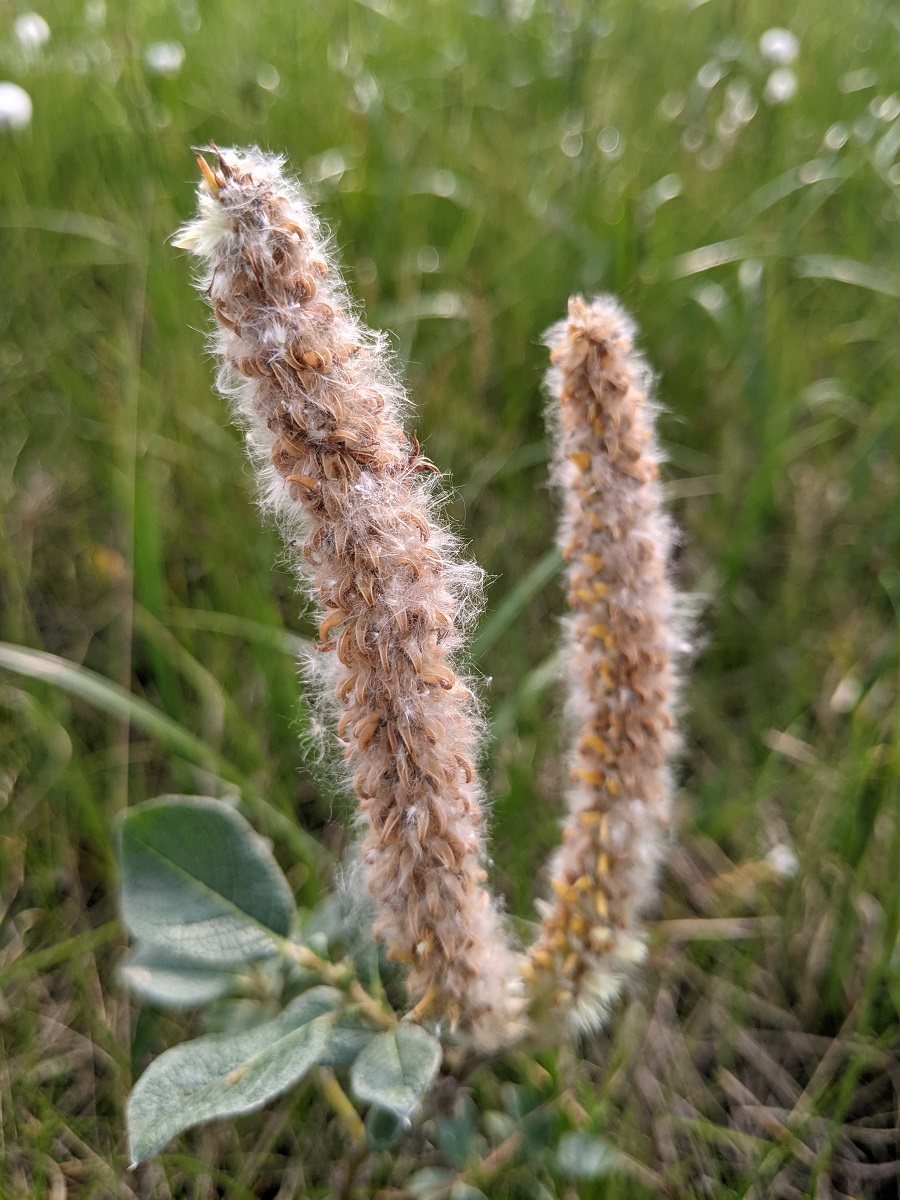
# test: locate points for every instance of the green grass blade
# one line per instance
(114, 700)
(523, 593)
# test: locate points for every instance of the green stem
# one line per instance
(341, 975)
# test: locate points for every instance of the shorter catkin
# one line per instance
(621, 679)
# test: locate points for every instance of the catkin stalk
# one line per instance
(323, 414)
(621, 680)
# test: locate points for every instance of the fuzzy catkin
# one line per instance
(622, 683)
(323, 414)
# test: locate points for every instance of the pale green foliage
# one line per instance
(178, 982)
(225, 1074)
(396, 1068)
(198, 882)
(204, 891)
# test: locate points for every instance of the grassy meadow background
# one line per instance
(478, 161)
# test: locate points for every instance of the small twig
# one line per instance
(857, 1173)
(826, 1066)
(341, 975)
(765, 1118)
(342, 1105)
(780, 1080)
(718, 929)
(499, 1156)
(379, 1014)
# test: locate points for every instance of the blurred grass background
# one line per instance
(478, 160)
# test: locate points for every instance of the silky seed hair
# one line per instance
(323, 414)
(622, 643)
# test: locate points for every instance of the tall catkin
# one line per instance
(323, 413)
(621, 644)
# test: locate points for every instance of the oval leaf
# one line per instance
(199, 882)
(163, 978)
(383, 1128)
(585, 1157)
(225, 1074)
(430, 1183)
(464, 1191)
(349, 1037)
(396, 1069)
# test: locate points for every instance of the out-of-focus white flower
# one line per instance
(710, 74)
(712, 297)
(609, 141)
(846, 695)
(858, 81)
(783, 861)
(661, 192)
(750, 274)
(32, 32)
(15, 107)
(95, 13)
(779, 46)
(740, 101)
(267, 77)
(885, 108)
(781, 86)
(836, 137)
(164, 58)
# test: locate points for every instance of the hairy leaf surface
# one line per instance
(197, 881)
(396, 1068)
(225, 1074)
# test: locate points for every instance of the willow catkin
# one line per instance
(323, 414)
(620, 673)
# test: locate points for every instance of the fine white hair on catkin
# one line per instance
(622, 644)
(323, 414)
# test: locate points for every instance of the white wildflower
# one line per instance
(779, 46)
(783, 861)
(846, 695)
(95, 13)
(164, 58)
(32, 32)
(781, 86)
(15, 107)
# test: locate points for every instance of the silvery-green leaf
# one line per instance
(197, 881)
(456, 1134)
(349, 1037)
(224, 1074)
(236, 1014)
(163, 978)
(430, 1183)
(383, 1128)
(464, 1191)
(585, 1157)
(396, 1068)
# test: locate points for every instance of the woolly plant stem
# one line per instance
(323, 414)
(621, 680)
